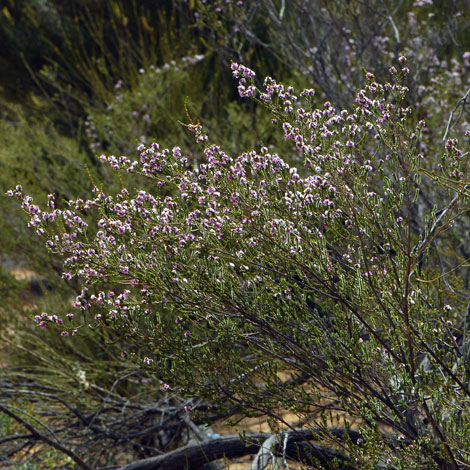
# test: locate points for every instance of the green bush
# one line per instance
(326, 272)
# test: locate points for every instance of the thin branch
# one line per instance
(15, 438)
(462, 101)
(47, 440)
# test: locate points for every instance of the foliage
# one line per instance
(330, 42)
(324, 270)
(87, 58)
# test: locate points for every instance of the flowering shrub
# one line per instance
(230, 273)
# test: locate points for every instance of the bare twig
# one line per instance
(462, 102)
(57, 445)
